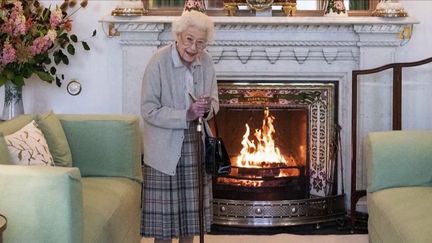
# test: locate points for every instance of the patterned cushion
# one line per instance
(28, 146)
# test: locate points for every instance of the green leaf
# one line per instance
(65, 59)
(74, 38)
(66, 39)
(94, 33)
(45, 13)
(58, 82)
(47, 60)
(27, 72)
(85, 46)
(63, 38)
(18, 80)
(45, 76)
(71, 49)
(57, 57)
(53, 70)
(9, 74)
(3, 79)
(63, 44)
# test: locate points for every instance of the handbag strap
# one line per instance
(215, 123)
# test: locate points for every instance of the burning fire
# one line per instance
(264, 150)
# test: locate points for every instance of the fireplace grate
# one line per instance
(244, 213)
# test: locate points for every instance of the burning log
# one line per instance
(272, 172)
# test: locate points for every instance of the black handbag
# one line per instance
(217, 161)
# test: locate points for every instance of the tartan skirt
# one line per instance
(170, 203)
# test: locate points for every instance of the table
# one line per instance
(3, 223)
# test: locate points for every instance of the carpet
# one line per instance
(279, 238)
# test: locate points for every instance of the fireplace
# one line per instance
(267, 171)
(279, 136)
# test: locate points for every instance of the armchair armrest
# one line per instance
(398, 159)
(41, 203)
(104, 145)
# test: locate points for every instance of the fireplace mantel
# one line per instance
(362, 41)
(272, 48)
(285, 31)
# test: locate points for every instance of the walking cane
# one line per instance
(200, 181)
(200, 176)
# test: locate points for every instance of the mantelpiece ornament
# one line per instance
(128, 12)
(231, 7)
(389, 9)
(129, 8)
(259, 5)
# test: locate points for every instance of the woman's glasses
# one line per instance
(188, 41)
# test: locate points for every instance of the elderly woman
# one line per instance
(179, 88)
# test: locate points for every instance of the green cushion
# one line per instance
(57, 142)
(400, 215)
(111, 209)
(104, 145)
(4, 152)
(398, 158)
(11, 126)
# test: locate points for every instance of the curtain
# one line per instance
(321, 4)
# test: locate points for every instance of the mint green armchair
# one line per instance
(399, 171)
(96, 200)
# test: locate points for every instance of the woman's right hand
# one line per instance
(197, 109)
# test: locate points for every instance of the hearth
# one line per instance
(280, 139)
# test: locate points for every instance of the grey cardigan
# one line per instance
(163, 105)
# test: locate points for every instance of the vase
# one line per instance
(13, 103)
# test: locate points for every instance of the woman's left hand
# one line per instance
(197, 109)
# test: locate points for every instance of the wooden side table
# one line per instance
(3, 222)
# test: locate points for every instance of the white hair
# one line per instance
(194, 19)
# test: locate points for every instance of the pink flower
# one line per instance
(56, 18)
(15, 25)
(51, 35)
(41, 44)
(8, 54)
(20, 26)
(17, 9)
(339, 5)
(68, 25)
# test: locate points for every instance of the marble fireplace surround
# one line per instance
(297, 49)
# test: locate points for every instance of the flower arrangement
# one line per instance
(197, 5)
(34, 39)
